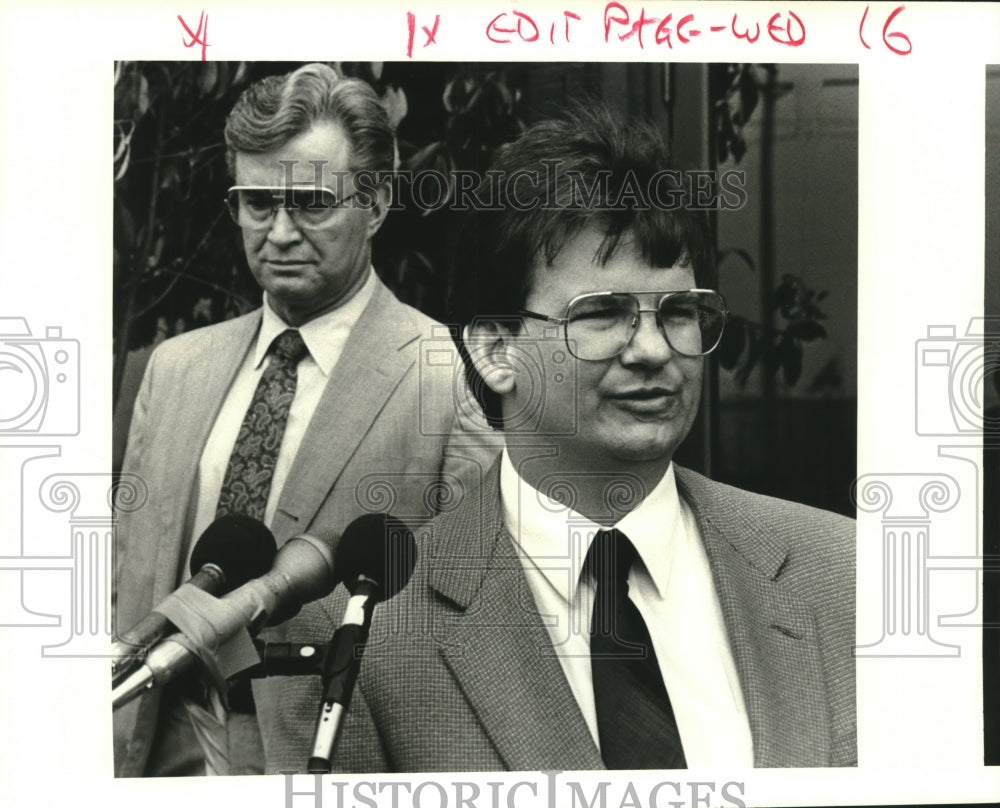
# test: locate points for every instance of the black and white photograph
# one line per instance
(538, 406)
(562, 181)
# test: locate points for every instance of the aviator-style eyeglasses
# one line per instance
(598, 325)
(254, 207)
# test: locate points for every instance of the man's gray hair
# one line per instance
(272, 111)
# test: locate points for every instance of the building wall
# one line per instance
(815, 214)
(797, 442)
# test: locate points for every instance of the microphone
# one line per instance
(375, 559)
(232, 550)
(302, 572)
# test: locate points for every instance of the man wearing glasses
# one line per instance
(304, 414)
(594, 605)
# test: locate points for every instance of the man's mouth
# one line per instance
(286, 263)
(646, 399)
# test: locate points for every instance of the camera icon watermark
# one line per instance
(543, 368)
(958, 396)
(548, 387)
(546, 378)
(953, 378)
(441, 369)
(40, 377)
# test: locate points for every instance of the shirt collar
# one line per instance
(556, 538)
(324, 336)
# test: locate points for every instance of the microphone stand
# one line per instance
(337, 661)
(286, 659)
(341, 664)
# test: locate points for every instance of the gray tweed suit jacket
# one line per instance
(459, 674)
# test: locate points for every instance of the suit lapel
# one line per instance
(208, 375)
(368, 371)
(771, 632)
(497, 648)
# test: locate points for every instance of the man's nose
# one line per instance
(648, 345)
(283, 229)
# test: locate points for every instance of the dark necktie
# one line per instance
(248, 477)
(635, 721)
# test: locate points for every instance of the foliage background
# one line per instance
(178, 260)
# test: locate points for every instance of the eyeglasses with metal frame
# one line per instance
(599, 325)
(253, 207)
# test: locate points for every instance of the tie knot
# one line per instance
(288, 345)
(610, 558)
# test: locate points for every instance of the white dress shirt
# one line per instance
(325, 337)
(670, 584)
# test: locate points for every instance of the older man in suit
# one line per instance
(305, 413)
(593, 604)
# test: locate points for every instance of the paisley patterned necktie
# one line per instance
(248, 477)
(635, 721)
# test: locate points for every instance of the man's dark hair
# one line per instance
(585, 168)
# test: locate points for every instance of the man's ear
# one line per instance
(489, 346)
(380, 196)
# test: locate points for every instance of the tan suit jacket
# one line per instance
(459, 674)
(385, 436)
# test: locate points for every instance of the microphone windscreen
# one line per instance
(378, 547)
(242, 547)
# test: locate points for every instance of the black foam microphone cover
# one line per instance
(378, 548)
(242, 546)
